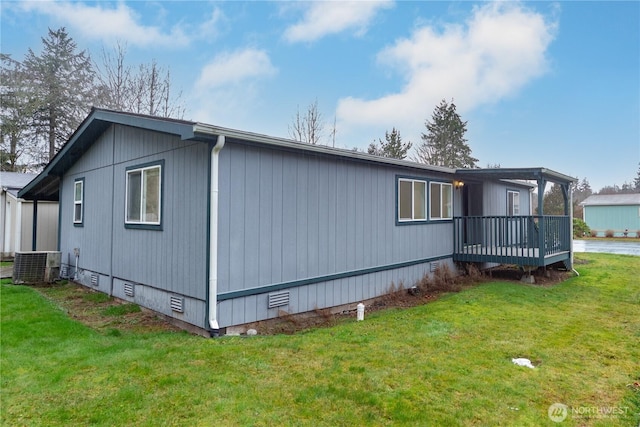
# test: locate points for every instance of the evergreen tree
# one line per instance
(636, 181)
(581, 191)
(553, 202)
(61, 85)
(444, 143)
(392, 146)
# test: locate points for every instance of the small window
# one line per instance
(144, 196)
(78, 201)
(513, 203)
(412, 196)
(441, 201)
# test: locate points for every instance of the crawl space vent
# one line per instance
(94, 279)
(177, 304)
(434, 266)
(128, 289)
(278, 299)
(64, 272)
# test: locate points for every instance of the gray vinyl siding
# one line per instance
(287, 216)
(172, 260)
(495, 198)
(332, 293)
(94, 237)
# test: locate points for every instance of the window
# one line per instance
(513, 203)
(78, 201)
(412, 197)
(441, 206)
(144, 195)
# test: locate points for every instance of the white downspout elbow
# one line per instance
(213, 237)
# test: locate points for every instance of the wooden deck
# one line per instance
(508, 255)
(521, 240)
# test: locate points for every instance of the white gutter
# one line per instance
(213, 237)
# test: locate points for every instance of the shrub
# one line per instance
(609, 233)
(580, 228)
(594, 233)
(638, 234)
(443, 280)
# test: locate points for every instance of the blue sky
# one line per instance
(553, 84)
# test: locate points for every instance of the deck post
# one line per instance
(568, 210)
(542, 183)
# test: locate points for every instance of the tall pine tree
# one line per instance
(444, 143)
(391, 147)
(61, 85)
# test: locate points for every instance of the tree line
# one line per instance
(443, 143)
(45, 96)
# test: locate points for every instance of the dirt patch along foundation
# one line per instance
(110, 315)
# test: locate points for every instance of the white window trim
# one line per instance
(413, 181)
(442, 217)
(513, 207)
(78, 202)
(142, 195)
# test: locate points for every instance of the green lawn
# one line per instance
(444, 363)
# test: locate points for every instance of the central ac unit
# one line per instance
(36, 267)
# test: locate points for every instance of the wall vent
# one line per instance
(128, 289)
(278, 299)
(434, 266)
(177, 304)
(36, 267)
(94, 279)
(64, 271)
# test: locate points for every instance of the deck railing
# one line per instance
(503, 238)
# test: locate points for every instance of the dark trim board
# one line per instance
(514, 259)
(312, 280)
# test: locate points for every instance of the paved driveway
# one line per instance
(610, 247)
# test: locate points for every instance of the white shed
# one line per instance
(17, 218)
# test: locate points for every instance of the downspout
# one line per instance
(213, 238)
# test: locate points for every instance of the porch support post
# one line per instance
(542, 183)
(34, 226)
(567, 193)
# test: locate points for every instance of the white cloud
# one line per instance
(499, 49)
(100, 21)
(331, 17)
(211, 27)
(228, 89)
(235, 67)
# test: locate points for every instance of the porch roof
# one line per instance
(534, 174)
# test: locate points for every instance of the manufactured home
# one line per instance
(217, 228)
(20, 218)
(617, 213)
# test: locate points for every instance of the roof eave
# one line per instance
(85, 135)
(288, 144)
